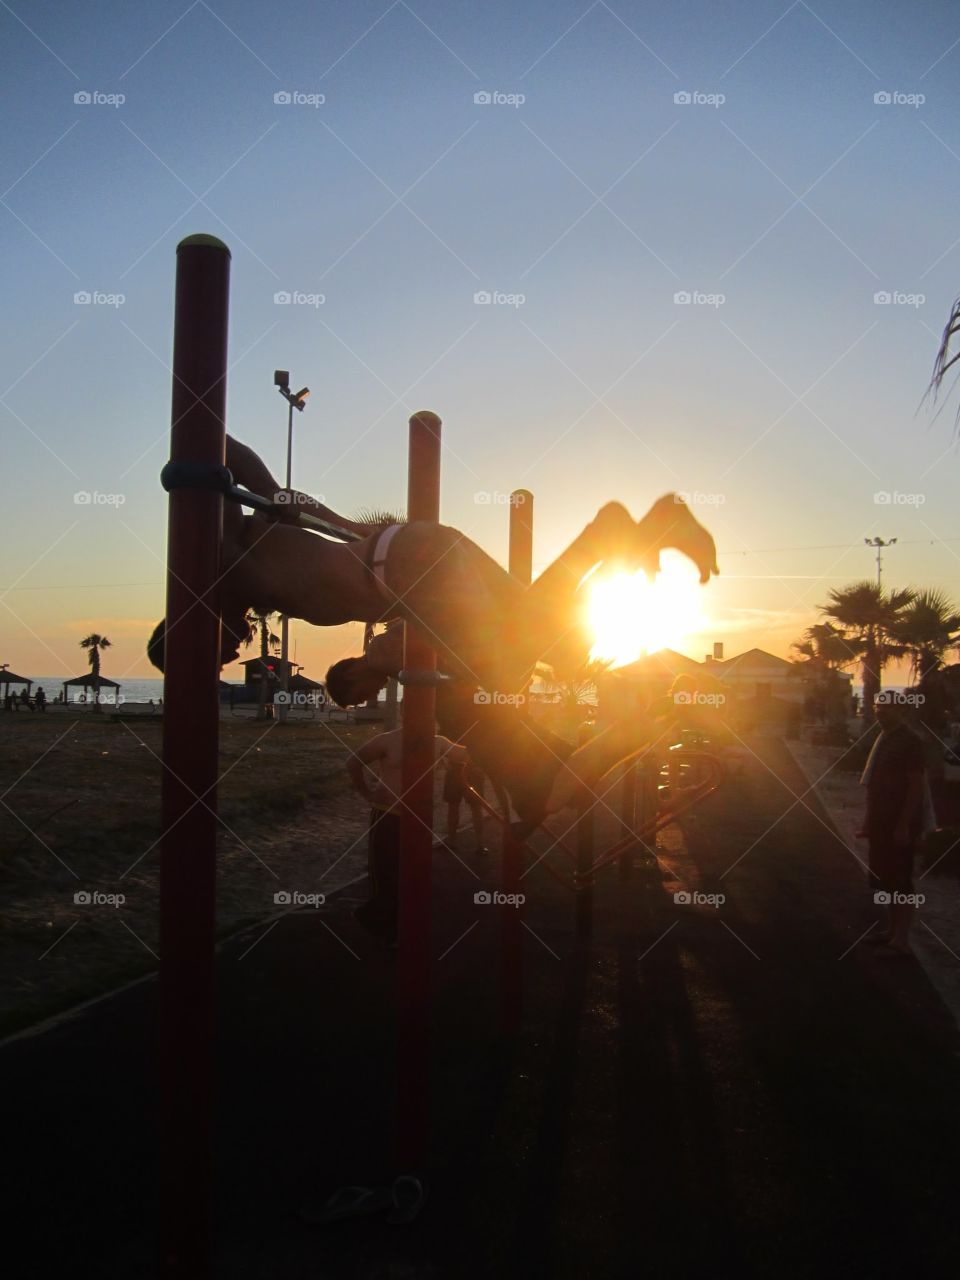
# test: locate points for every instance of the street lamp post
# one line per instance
(295, 400)
(871, 542)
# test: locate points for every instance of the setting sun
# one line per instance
(631, 616)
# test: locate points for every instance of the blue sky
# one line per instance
(789, 404)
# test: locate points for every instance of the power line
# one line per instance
(836, 546)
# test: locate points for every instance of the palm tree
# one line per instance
(867, 618)
(93, 643)
(259, 624)
(927, 628)
(944, 360)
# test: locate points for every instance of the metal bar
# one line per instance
(520, 563)
(190, 756)
(416, 831)
(257, 501)
(628, 816)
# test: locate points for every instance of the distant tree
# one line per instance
(867, 617)
(258, 625)
(927, 628)
(94, 643)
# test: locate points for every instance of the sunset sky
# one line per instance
(782, 197)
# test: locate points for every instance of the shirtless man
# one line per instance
(488, 629)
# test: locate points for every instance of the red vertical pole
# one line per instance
(520, 561)
(416, 830)
(190, 746)
(585, 852)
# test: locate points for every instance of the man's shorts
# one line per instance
(891, 864)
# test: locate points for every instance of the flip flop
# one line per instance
(408, 1195)
(350, 1202)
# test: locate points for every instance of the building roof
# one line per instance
(751, 658)
(10, 677)
(666, 662)
(90, 681)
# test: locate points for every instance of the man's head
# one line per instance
(352, 681)
(889, 707)
(233, 633)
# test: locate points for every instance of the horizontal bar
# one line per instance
(247, 498)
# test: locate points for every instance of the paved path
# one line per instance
(698, 1089)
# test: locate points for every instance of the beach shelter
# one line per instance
(8, 677)
(89, 681)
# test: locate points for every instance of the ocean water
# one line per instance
(129, 691)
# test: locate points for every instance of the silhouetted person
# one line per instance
(898, 814)
(40, 699)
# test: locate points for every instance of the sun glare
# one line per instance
(631, 616)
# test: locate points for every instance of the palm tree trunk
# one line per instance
(871, 682)
(264, 681)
